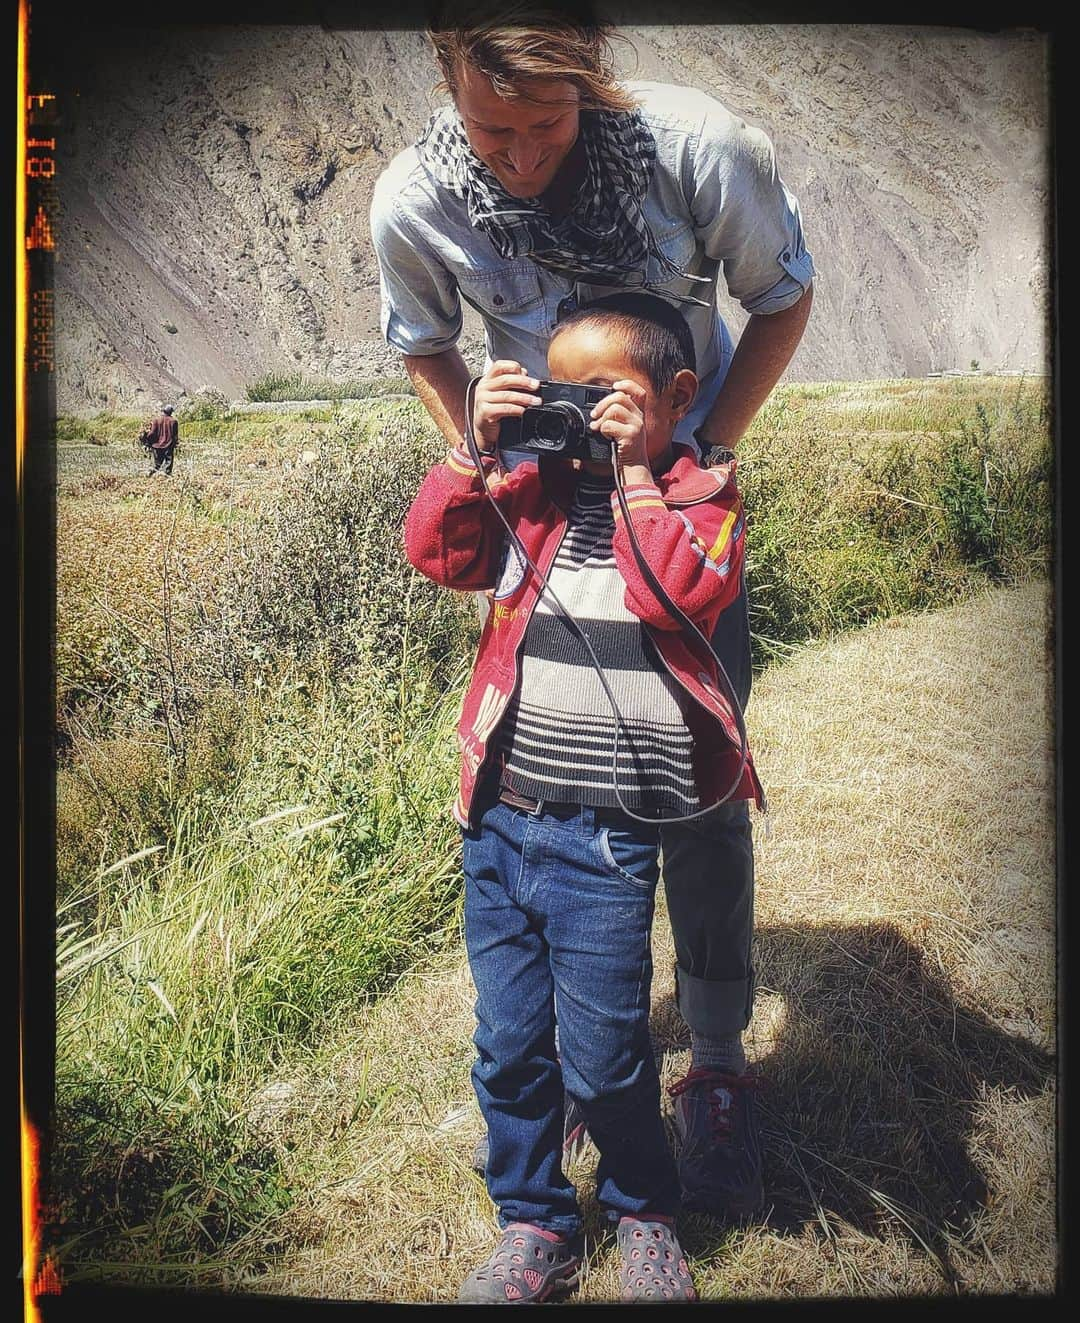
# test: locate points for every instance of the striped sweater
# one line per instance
(556, 741)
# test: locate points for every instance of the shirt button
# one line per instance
(787, 258)
(498, 299)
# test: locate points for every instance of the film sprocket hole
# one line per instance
(559, 424)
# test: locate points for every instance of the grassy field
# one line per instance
(263, 1028)
(904, 1021)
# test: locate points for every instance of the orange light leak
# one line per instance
(31, 1228)
(22, 273)
(29, 1147)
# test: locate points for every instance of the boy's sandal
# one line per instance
(525, 1267)
(653, 1264)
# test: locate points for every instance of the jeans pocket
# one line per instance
(629, 857)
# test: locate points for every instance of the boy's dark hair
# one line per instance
(657, 339)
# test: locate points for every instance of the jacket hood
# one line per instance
(686, 482)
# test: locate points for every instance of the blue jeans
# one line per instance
(558, 916)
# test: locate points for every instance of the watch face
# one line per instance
(714, 455)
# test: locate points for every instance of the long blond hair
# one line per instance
(512, 42)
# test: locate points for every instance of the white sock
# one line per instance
(723, 1054)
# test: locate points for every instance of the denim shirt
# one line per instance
(716, 200)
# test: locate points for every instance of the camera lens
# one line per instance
(550, 426)
(555, 427)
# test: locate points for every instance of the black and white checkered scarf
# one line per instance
(603, 238)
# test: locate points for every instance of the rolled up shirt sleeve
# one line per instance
(746, 217)
(420, 308)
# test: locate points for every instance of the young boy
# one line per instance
(560, 882)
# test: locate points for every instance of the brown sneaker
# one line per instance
(720, 1158)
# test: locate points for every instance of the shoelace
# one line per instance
(720, 1116)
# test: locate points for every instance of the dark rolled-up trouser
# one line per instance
(708, 870)
(163, 459)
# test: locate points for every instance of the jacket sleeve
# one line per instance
(452, 533)
(696, 553)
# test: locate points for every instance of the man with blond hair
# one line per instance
(544, 184)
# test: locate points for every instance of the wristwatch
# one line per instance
(712, 454)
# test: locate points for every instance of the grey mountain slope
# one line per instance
(216, 183)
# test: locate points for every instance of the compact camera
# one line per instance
(559, 425)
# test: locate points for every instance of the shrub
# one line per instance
(204, 406)
(100, 429)
(188, 969)
(122, 791)
(188, 1181)
(69, 427)
(964, 494)
(127, 581)
(995, 488)
(845, 526)
(281, 386)
(322, 576)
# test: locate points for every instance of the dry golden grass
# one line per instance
(132, 559)
(904, 1022)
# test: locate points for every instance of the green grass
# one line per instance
(864, 502)
(103, 427)
(295, 386)
(187, 971)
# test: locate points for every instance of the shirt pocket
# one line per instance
(679, 246)
(509, 292)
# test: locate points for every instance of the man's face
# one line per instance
(522, 142)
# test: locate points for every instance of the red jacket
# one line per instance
(690, 528)
(161, 433)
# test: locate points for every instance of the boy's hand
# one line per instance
(504, 391)
(621, 416)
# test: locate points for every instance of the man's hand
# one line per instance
(621, 416)
(504, 391)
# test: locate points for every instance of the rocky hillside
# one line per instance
(216, 181)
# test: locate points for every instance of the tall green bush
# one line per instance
(847, 528)
(205, 405)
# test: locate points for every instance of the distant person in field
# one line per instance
(560, 849)
(160, 437)
(544, 184)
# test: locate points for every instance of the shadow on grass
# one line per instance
(870, 1086)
